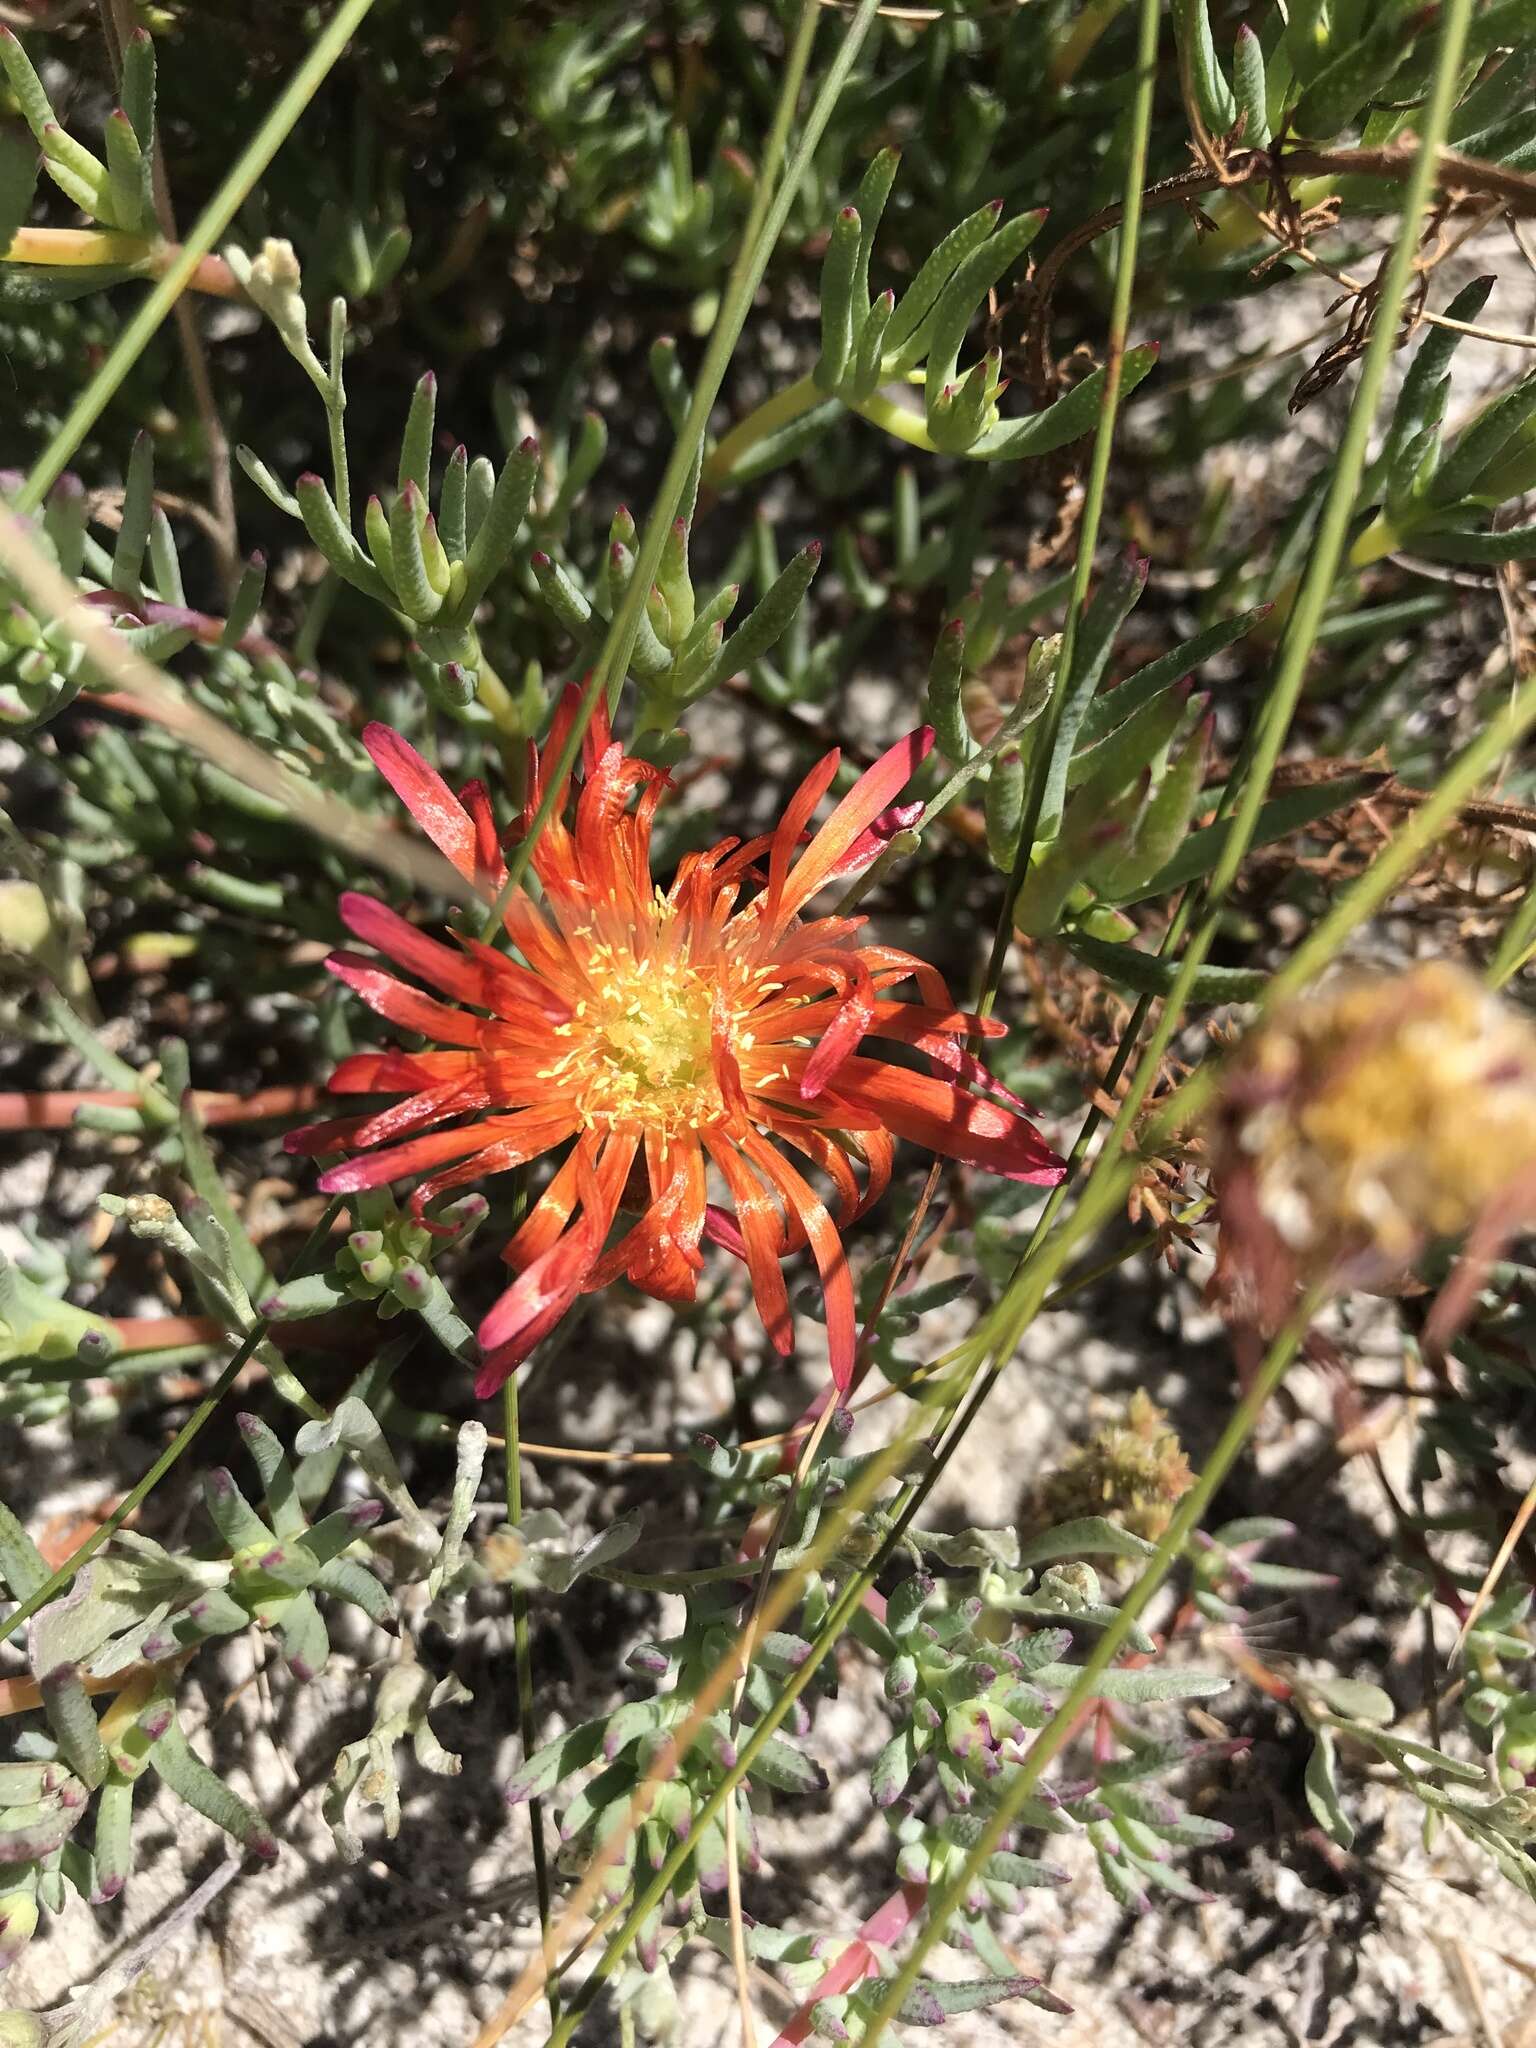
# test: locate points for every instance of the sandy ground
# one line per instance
(1393, 1944)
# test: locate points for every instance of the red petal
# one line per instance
(941, 1043)
(547, 1218)
(397, 1073)
(425, 795)
(499, 1157)
(925, 1017)
(831, 1260)
(544, 1290)
(509, 987)
(841, 1037)
(312, 1140)
(532, 1306)
(833, 1161)
(375, 1168)
(890, 960)
(660, 1255)
(377, 925)
(875, 788)
(786, 837)
(875, 838)
(879, 1149)
(727, 1068)
(759, 1234)
(435, 1105)
(566, 711)
(406, 1006)
(943, 1118)
(490, 868)
(720, 1226)
(601, 807)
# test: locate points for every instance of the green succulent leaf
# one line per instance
(1282, 815)
(1150, 975)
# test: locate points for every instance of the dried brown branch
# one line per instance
(1461, 178)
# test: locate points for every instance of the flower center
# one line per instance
(641, 1048)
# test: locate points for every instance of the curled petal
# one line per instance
(727, 1068)
(879, 1149)
(490, 868)
(661, 1255)
(892, 962)
(854, 1016)
(595, 742)
(942, 1043)
(720, 1226)
(603, 803)
(875, 838)
(833, 1161)
(532, 1306)
(545, 1289)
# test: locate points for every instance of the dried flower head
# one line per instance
(664, 1037)
(1365, 1121)
(272, 280)
(1133, 1471)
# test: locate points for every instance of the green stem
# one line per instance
(333, 391)
(801, 397)
(1057, 1731)
(1044, 746)
(764, 226)
(901, 422)
(524, 1663)
(1115, 1171)
(83, 1038)
(971, 1393)
(125, 1368)
(1515, 946)
(55, 1583)
(792, 403)
(214, 219)
(1093, 496)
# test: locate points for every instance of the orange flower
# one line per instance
(666, 1032)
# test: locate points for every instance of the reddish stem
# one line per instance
(857, 1961)
(207, 630)
(53, 1109)
(166, 1333)
(258, 1105)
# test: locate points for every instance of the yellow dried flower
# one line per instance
(1132, 1471)
(1366, 1120)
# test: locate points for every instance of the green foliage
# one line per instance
(507, 219)
(118, 192)
(134, 1616)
